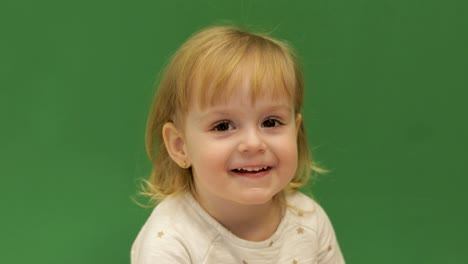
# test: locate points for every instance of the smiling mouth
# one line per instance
(251, 170)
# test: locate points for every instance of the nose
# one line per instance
(252, 141)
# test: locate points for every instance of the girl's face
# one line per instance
(242, 152)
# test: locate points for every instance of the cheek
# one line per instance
(288, 151)
(206, 153)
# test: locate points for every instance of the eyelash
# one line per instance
(226, 125)
(276, 122)
(223, 123)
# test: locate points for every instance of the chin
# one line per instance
(256, 197)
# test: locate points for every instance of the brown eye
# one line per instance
(271, 123)
(223, 126)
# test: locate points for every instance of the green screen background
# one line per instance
(385, 111)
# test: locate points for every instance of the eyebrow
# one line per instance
(226, 110)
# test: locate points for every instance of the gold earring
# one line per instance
(183, 164)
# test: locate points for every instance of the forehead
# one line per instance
(249, 81)
(242, 100)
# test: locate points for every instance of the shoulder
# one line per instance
(312, 219)
(307, 211)
(304, 206)
(168, 236)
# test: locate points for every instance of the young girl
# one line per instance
(229, 150)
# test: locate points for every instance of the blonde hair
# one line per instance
(202, 67)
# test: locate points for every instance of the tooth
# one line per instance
(253, 169)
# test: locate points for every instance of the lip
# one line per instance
(252, 171)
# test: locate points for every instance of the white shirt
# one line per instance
(179, 230)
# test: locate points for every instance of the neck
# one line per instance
(249, 222)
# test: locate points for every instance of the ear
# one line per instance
(175, 145)
(298, 122)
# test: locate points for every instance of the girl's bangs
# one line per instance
(269, 71)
